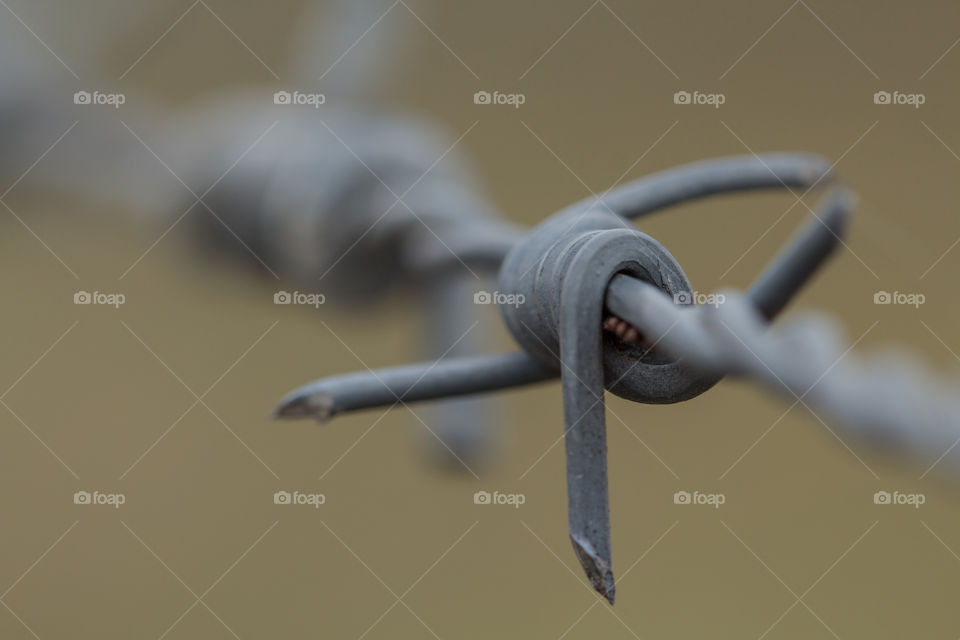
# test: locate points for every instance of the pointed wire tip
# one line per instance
(609, 592)
(833, 216)
(603, 583)
(299, 405)
(841, 203)
(597, 569)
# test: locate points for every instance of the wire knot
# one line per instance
(561, 271)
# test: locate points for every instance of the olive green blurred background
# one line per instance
(799, 549)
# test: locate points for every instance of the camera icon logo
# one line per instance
(82, 297)
(683, 297)
(82, 97)
(282, 97)
(681, 97)
(482, 97)
(882, 297)
(282, 297)
(81, 497)
(881, 97)
(482, 297)
(881, 497)
(481, 497)
(681, 497)
(282, 497)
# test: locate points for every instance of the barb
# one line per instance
(562, 270)
(330, 396)
(365, 390)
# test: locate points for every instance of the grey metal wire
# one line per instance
(326, 398)
(886, 399)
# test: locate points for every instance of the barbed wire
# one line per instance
(585, 271)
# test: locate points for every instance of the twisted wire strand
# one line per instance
(886, 398)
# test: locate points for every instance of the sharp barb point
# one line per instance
(315, 405)
(597, 569)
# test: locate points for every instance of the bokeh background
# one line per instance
(97, 398)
